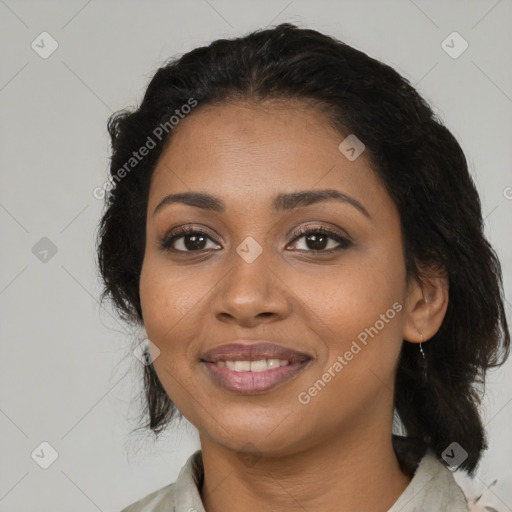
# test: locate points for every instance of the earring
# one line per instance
(422, 351)
(423, 363)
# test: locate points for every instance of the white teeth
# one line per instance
(258, 366)
(253, 366)
(242, 366)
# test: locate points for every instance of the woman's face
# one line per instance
(249, 277)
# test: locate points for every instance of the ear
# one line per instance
(425, 306)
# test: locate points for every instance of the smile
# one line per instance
(253, 366)
(241, 378)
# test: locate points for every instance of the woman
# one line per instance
(302, 242)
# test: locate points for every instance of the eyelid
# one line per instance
(344, 241)
(301, 230)
(180, 232)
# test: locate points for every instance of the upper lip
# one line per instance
(251, 351)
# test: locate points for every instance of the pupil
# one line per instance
(315, 240)
(194, 239)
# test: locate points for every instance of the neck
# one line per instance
(358, 470)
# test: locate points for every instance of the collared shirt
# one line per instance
(432, 489)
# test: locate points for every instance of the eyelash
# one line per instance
(183, 231)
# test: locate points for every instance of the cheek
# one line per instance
(167, 296)
(175, 310)
(356, 308)
(166, 302)
(167, 305)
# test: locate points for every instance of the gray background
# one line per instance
(67, 374)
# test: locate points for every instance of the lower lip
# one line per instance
(247, 383)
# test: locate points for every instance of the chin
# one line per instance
(251, 435)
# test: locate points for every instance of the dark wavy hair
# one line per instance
(419, 162)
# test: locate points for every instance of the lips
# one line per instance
(253, 352)
(251, 368)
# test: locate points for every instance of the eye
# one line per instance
(317, 239)
(189, 239)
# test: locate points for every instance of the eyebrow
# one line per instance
(282, 202)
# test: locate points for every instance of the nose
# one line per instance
(251, 293)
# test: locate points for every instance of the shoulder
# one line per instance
(433, 488)
(157, 501)
(181, 495)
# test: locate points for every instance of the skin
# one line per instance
(269, 448)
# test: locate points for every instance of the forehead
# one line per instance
(249, 151)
